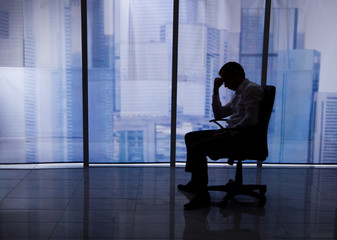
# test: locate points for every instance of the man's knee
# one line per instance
(188, 136)
(192, 137)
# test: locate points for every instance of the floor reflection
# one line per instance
(86, 204)
(143, 203)
(235, 212)
(335, 233)
(196, 225)
(197, 222)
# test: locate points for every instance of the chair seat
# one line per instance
(250, 153)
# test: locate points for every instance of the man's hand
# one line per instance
(217, 84)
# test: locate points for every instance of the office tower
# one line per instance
(11, 33)
(291, 129)
(325, 146)
(297, 83)
(30, 91)
(295, 74)
(56, 32)
(12, 121)
(142, 49)
(102, 94)
(39, 47)
(251, 42)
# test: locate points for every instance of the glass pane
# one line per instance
(40, 81)
(212, 33)
(130, 48)
(302, 60)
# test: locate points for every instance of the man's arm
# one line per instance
(219, 111)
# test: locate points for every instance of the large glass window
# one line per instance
(130, 48)
(130, 66)
(40, 81)
(302, 55)
(212, 33)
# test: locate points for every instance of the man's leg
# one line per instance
(199, 145)
(198, 166)
(199, 151)
(191, 139)
(195, 164)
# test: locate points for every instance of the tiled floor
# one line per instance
(143, 203)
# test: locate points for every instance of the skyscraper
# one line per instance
(297, 83)
(102, 81)
(142, 49)
(38, 47)
(251, 42)
(294, 72)
(325, 146)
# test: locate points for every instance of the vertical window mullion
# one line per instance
(265, 42)
(85, 83)
(174, 83)
(265, 49)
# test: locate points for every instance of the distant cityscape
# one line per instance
(130, 55)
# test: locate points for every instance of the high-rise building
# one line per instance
(325, 146)
(142, 78)
(297, 83)
(38, 40)
(101, 80)
(251, 42)
(294, 72)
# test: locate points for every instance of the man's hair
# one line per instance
(233, 68)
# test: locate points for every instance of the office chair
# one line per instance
(253, 150)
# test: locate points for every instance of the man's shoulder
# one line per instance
(252, 86)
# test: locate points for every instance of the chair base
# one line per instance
(233, 189)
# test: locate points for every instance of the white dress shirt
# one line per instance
(243, 108)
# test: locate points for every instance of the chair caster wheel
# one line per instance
(262, 201)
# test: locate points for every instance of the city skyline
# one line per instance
(130, 77)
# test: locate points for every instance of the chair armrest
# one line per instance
(243, 129)
(216, 122)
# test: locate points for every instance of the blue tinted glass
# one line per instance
(130, 46)
(212, 33)
(303, 125)
(40, 77)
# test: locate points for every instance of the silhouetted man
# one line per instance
(241, 112)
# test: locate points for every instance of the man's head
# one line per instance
(232, 74)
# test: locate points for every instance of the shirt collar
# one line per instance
(242, 85)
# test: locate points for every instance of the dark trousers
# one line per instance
(199, 145)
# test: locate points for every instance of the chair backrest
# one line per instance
(252, 144)
(266, 108)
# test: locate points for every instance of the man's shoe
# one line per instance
(201, 200)
(189, 187)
